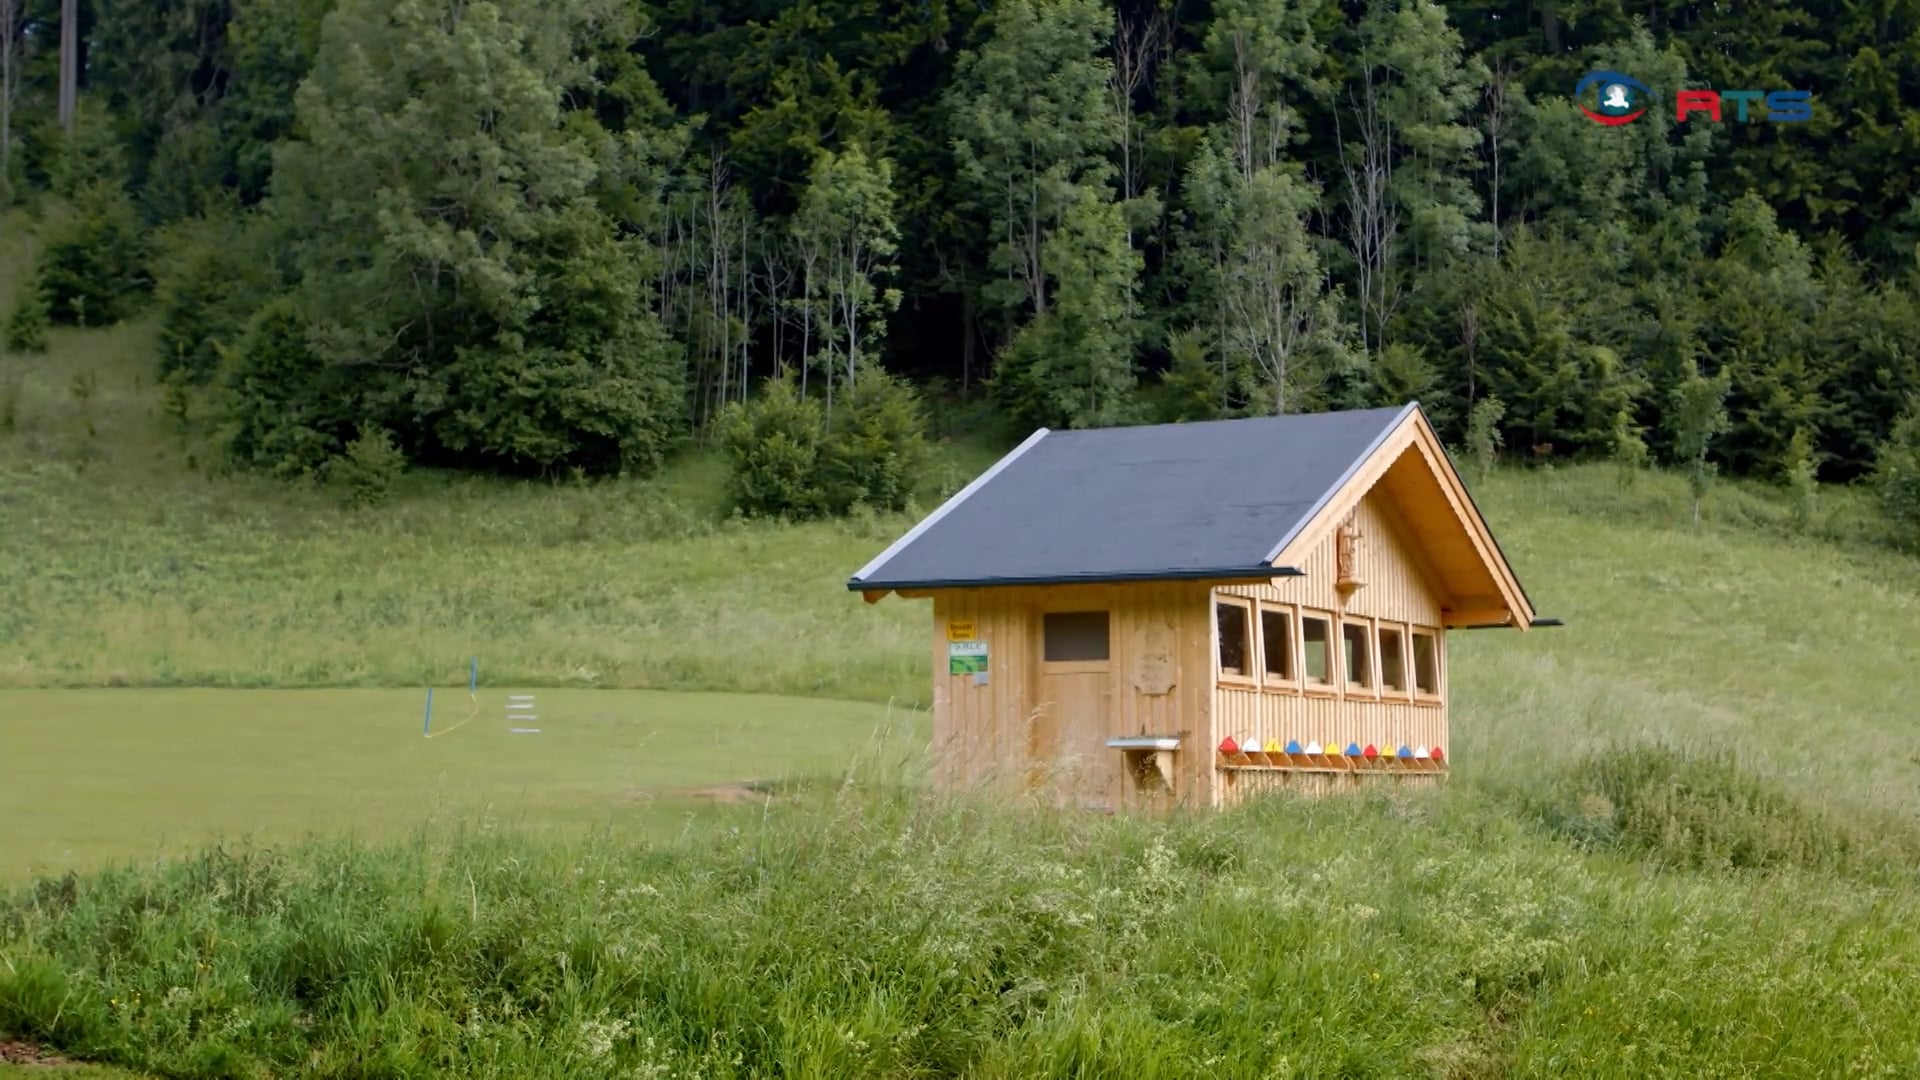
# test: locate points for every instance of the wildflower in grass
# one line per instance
(598, 1036)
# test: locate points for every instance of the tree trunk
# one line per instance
(806, 321)
(6, 84)
(1496, 95)
(746, 307)
(1470, 342)
(69, 62)
(1373, 220)
(966, 340)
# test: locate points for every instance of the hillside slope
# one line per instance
(1679, 841)
(120, 565)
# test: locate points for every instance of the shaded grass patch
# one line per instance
(1703, 810)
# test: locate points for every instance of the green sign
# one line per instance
(966, 657)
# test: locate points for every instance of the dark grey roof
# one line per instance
(1218, 499)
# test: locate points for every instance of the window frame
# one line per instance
(1381, 629)
(1438, 695)
(1369, 690)
(1308, 685)
(1221, 676)
(1292, 681)
(1071, 667)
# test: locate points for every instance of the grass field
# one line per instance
(1680, 838)
(133, 774)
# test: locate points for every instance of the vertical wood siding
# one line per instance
(1396, 588)
(995, 735)
(990, 735)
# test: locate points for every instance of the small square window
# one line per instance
(1075, 636)
(1426, 662)
(1359, 655)
(1234, 639)
(1316, 640)
(1393, 659)
(1276, 643)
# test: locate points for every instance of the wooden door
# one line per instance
(1073, 697)
(1069, 751)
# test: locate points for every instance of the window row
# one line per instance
(1283, 647)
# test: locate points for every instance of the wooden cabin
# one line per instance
(1183, 614)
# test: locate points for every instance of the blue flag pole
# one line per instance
(426, 725)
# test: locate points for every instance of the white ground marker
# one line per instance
(520, 710)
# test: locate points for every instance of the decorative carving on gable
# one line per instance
(1346, 542)
(1153, 672)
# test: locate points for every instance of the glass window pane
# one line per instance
(1426, 663)
(1075, 635)
(1393, 660)
(1359, 658)
(1276, 639)
(1315, 638)
(1232, 619)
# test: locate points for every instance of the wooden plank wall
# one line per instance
(1397, 587)
(985, 736)
(988, 735)
(1245, 784)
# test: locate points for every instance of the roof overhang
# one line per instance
(1414, 434)
(944, 509)
(1226, 575)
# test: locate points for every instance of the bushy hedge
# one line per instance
(93, 268)
(787, 457)
(1898, 477)
(214, 274)
(26, 330)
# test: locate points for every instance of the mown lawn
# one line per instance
(109, 775)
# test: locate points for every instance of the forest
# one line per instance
(534, 238)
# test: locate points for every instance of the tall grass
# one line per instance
(867, 929)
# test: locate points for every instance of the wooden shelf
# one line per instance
(1325, 763)
(1149, 755)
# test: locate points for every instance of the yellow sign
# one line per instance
(960, 630)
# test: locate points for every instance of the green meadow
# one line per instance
(1679, 840)
(148, 774)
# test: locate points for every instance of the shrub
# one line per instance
(783, 461)
(27, 326)
(876, 448)
(772, 445)
(212, 276)
(1802, 476)
(1191, 388)
(1693, 812)
(1629, 448)
(1401, 373)
(93, 265)
(369, 467)
(1483, 433)
(285, 413)
(11, 385)
(1897, 476)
